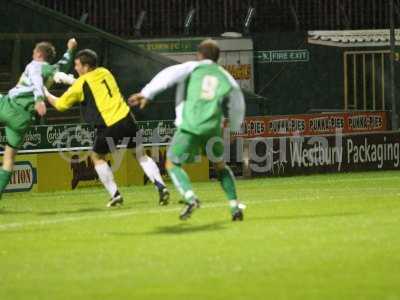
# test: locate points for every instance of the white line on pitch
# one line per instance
(108, 214)
(4, 227)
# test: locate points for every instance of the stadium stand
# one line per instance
(124, 59)
(166, 18)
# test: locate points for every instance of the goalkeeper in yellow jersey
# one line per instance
(104, 107)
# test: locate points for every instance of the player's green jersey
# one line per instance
(207, 88)
(205, 92)
(37, 75)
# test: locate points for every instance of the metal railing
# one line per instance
(365, 77)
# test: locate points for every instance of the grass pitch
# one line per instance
(314, 237)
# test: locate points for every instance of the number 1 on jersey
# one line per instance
(107, 87)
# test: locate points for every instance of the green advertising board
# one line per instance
(170, 46)
(50, 138)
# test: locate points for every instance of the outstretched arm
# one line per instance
(167, 78)
(162, 81)
(65, 63)
(57, 72)
(73, 95)
(50, 97)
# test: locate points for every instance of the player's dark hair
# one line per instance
(87, 57)
(209, 50)
(47, 49)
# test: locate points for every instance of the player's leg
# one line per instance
(17, 121)
(183, 185)
(152, 171)
(103, 170)
(129, 130)
(14, 140)
(7, 167)
(183, 149)
(106, 177)
(226, 178)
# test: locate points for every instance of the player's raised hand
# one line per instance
(40, 108)
(137, 100)
(72, 44)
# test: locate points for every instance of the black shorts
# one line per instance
(122, 132)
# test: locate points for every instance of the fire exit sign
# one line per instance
(283, 56)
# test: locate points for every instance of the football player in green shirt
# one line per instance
(18, 107)
(204, 91)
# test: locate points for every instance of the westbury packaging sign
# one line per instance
(332, 153)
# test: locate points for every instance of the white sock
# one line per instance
(150, 169)
(233, 203)
(107, 178)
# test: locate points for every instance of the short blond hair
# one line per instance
(47, 49)
(209, 49)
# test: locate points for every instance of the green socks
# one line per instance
(225, 176)
(227, 181)
(4, 180)
(182, 183)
